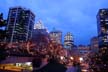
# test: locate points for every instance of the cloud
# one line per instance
(76, 16)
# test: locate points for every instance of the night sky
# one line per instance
(75, 16)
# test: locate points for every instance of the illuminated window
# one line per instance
(103, 10)
(103, 28)
(101, 20)
(107, 23)
(101, 14)
(106, 19)
(106, 31)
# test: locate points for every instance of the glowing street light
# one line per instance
(28, 63)
(61, 57)
(81, 59)
(71, 58)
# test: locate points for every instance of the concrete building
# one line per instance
(68, 41)
(102, 22)
(20, 24)
(40, 33)
(94, 44)
(83, 49)
(56, 36)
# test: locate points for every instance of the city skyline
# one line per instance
(68, 16)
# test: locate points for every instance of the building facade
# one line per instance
(94, 44)
(83, 50)
(56, 36)
(20, 24)
(102, 20)
(40, 33)
(99, 61)
(68, 41)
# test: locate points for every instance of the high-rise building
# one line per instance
(94, 44)
(68, 41)
(40, 33)
(20, 24)
(39, 25)
(56, 36)
(102, 20)
(99, 61)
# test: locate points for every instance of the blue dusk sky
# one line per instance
(75, 16)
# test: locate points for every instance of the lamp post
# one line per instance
(71, 58)
(80, 59)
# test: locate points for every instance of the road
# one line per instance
(8, 71)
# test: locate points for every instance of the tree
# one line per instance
(2, 25)
(99, 61)
(2, 51)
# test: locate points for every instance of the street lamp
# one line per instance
(71, 58)
(81, 59)
(61, 57)
(28, 63)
